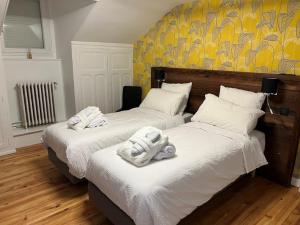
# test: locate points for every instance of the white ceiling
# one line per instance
(121, 21)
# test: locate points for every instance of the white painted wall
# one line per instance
(112, 21)
(6, 138)
(20, 70)
(7, 144)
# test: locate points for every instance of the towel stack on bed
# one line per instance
(146, 144)
(89, 117)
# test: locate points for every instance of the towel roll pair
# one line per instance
(146, 144)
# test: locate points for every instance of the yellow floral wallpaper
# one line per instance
(236, 35)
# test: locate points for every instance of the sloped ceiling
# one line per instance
(121, 21)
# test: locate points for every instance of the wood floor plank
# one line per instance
(32, 191)
(294, 217)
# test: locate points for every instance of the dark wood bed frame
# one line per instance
(282, 132)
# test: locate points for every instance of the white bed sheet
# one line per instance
(208, 159)
(75, 147)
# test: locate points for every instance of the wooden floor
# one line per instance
(33, 192)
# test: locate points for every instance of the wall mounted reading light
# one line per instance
(159, 76)
(269, 87)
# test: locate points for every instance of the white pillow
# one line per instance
(242, 98)
(164, 101)
(184, 88)
(227, 115)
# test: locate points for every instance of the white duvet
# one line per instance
(75, 147)
(162, 193)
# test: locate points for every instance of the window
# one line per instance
(23, 25)
(28, 25)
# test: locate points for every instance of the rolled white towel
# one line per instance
(143, 146)
(167, 152)
(73, 120)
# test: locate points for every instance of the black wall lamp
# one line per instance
(159, 76)
(269, 87)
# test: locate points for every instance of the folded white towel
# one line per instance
(88, 117)
(82, 115)
(144, 145)
(99, 121)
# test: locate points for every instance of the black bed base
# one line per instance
(63, 167)
(111, 211)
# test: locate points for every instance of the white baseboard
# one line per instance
(295, 182)
(7, 152)
(28, 139)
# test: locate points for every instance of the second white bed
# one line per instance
(208, 159)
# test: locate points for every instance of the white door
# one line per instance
(100, 72)
(121, 75)
(90, 77)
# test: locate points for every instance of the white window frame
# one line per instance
(48, 51)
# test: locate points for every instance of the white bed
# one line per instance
(75, 147)
(208, 159)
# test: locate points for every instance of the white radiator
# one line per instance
(36, 103)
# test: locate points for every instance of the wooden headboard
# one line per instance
(282, 132)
